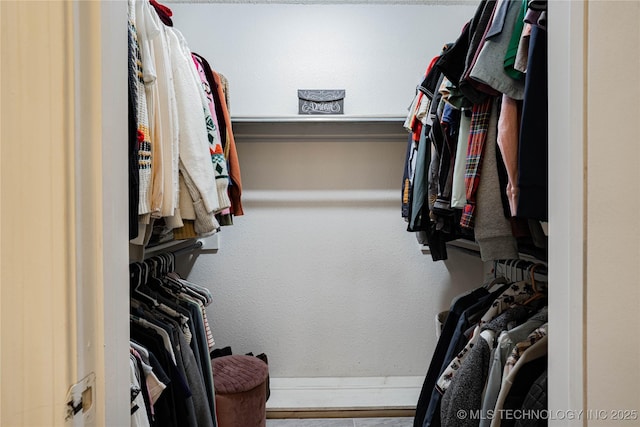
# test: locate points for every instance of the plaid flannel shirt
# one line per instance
(477, 137)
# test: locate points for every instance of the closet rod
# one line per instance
(196, 245)
(519, 269)
(472, 247)
(317, 118)
(176, 247)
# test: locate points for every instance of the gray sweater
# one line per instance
(492, 230)
(465, 391)
(489, 67)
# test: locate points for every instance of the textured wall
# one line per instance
(328, 282)
(320, 273)
(377, 53)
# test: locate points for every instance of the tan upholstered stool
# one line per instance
(241, 384)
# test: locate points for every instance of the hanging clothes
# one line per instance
(215, 143)
(479, 335)
(466, 388)
(141, 116)
(134, 177)
(493, 230)
(187, 172)
(163, 111)
(458, 319)
(169, 323)
(480, 115)
(506, 341)
(534, 145)
(231, 153)
(489, 67)
(471, 308)
(484, 144)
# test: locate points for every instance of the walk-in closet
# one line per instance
(336, 245)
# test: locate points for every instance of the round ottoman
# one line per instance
(240, 384)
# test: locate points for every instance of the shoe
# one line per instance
(219, 352)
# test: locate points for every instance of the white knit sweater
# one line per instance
(144, 146)
(164, 122)
(215, 142)
(193, 140)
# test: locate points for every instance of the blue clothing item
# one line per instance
(420, 184)
(450, 114)
(448, 329)
(407, 187)
(456, 344)
(450, 123)
(499, 17)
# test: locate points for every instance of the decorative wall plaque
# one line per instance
(321, 101)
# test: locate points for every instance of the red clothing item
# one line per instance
(164, 13)
(477, 138)
(416, 124)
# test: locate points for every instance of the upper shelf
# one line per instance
(319, 128)
(318, 118)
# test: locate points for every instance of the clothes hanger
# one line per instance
(167, 280)
(501, 280)
(497, 279)
(155, 269)
(512, 270)
(172, 285)
(140, 289)
(537, 294)
(161, 266)
(527, 270)
(135, 273)
(164, 264)
(170, 258)
(162, 279)
(522, 268)
(517, 271)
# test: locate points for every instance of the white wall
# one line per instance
(321, 273)
(328, 291)
(326, 286)
(378, 53)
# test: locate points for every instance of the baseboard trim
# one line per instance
(341, 413)
(344, 394)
